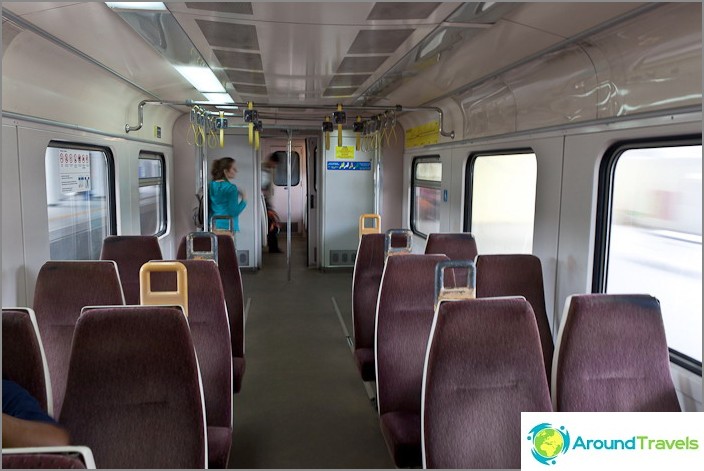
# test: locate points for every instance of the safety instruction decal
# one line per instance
(332, 165)
(344, 152)
(423, 135)
(74, 170)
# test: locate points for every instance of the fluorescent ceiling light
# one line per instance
(150, 6)
(228, 108)
(484, 6)
(202, 78)
(219, 97)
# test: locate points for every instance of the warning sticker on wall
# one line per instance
(349, 165)
(423, 135)
(344, 152)
(74, 170)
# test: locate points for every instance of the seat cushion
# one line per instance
(238, 367)
(402, 433)
(219, 443)
(364, 358)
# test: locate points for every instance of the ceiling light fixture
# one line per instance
(202, 78)
(143, 6)
(219, 97)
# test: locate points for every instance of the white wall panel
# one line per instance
(13, 276)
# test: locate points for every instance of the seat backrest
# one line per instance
(130, 253)
(518, 275)
(133, 394)
(231, 279)
(48, 457)
(483, 367)
(404, 316)
(457, 246)
(368, 268)
(611, 355)
(63, 288)
(208, 320)
(23, 358)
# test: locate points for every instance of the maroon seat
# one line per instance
(41, 461)
(63, 288)
(207, 317)
(368, 268)
(483, 368)
(612, 356)
(457, 246)
(518, 275)
(130, 253)
(134, 394)
(231, 279)
(23, 359)
(404, 317)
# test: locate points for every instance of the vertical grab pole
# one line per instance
(288, 210)
(203, 158)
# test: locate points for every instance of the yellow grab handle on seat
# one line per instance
(147, 297)
(376, 229)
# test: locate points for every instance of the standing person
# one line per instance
(224, 196)
(268, 169)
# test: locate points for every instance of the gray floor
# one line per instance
(302, 404)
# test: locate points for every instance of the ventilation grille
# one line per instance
(243, 258)
(342, 257)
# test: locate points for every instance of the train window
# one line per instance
(427, 195)
(152, 194)
(501, 201)
(80, 200)
(650, 235)
(280, 174)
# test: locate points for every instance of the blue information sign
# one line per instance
(337, 165)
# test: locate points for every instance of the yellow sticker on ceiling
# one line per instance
(423, 135)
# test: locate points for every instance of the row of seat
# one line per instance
(485, 373)
(134, 392)
(65, 288)
(497, 275)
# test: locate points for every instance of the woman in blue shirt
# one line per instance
(224, 196)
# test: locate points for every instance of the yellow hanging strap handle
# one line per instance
(357, 132)
(250, 106)
(147, 297)
(222, 129)
(339, 128)
(375, 229)
(327, 134)
(257, 130)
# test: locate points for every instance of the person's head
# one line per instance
(223, 169)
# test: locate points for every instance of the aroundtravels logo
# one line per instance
(549, 442)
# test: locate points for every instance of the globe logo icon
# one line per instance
(548, 442)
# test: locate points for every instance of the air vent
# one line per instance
(235, 35)
(239, 60)
(348, 80)
(378, 41)
(360, 64)
(340, 92)
(245, 76)
(240, 8)
(243, 258)
(250, 89)
(402, 10)
(342, 257)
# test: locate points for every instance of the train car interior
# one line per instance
(431, 197)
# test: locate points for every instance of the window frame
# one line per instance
(295, 157)
(152, 155)
(111, 203)
(604, 217)
(435, 158)
(469, 178)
